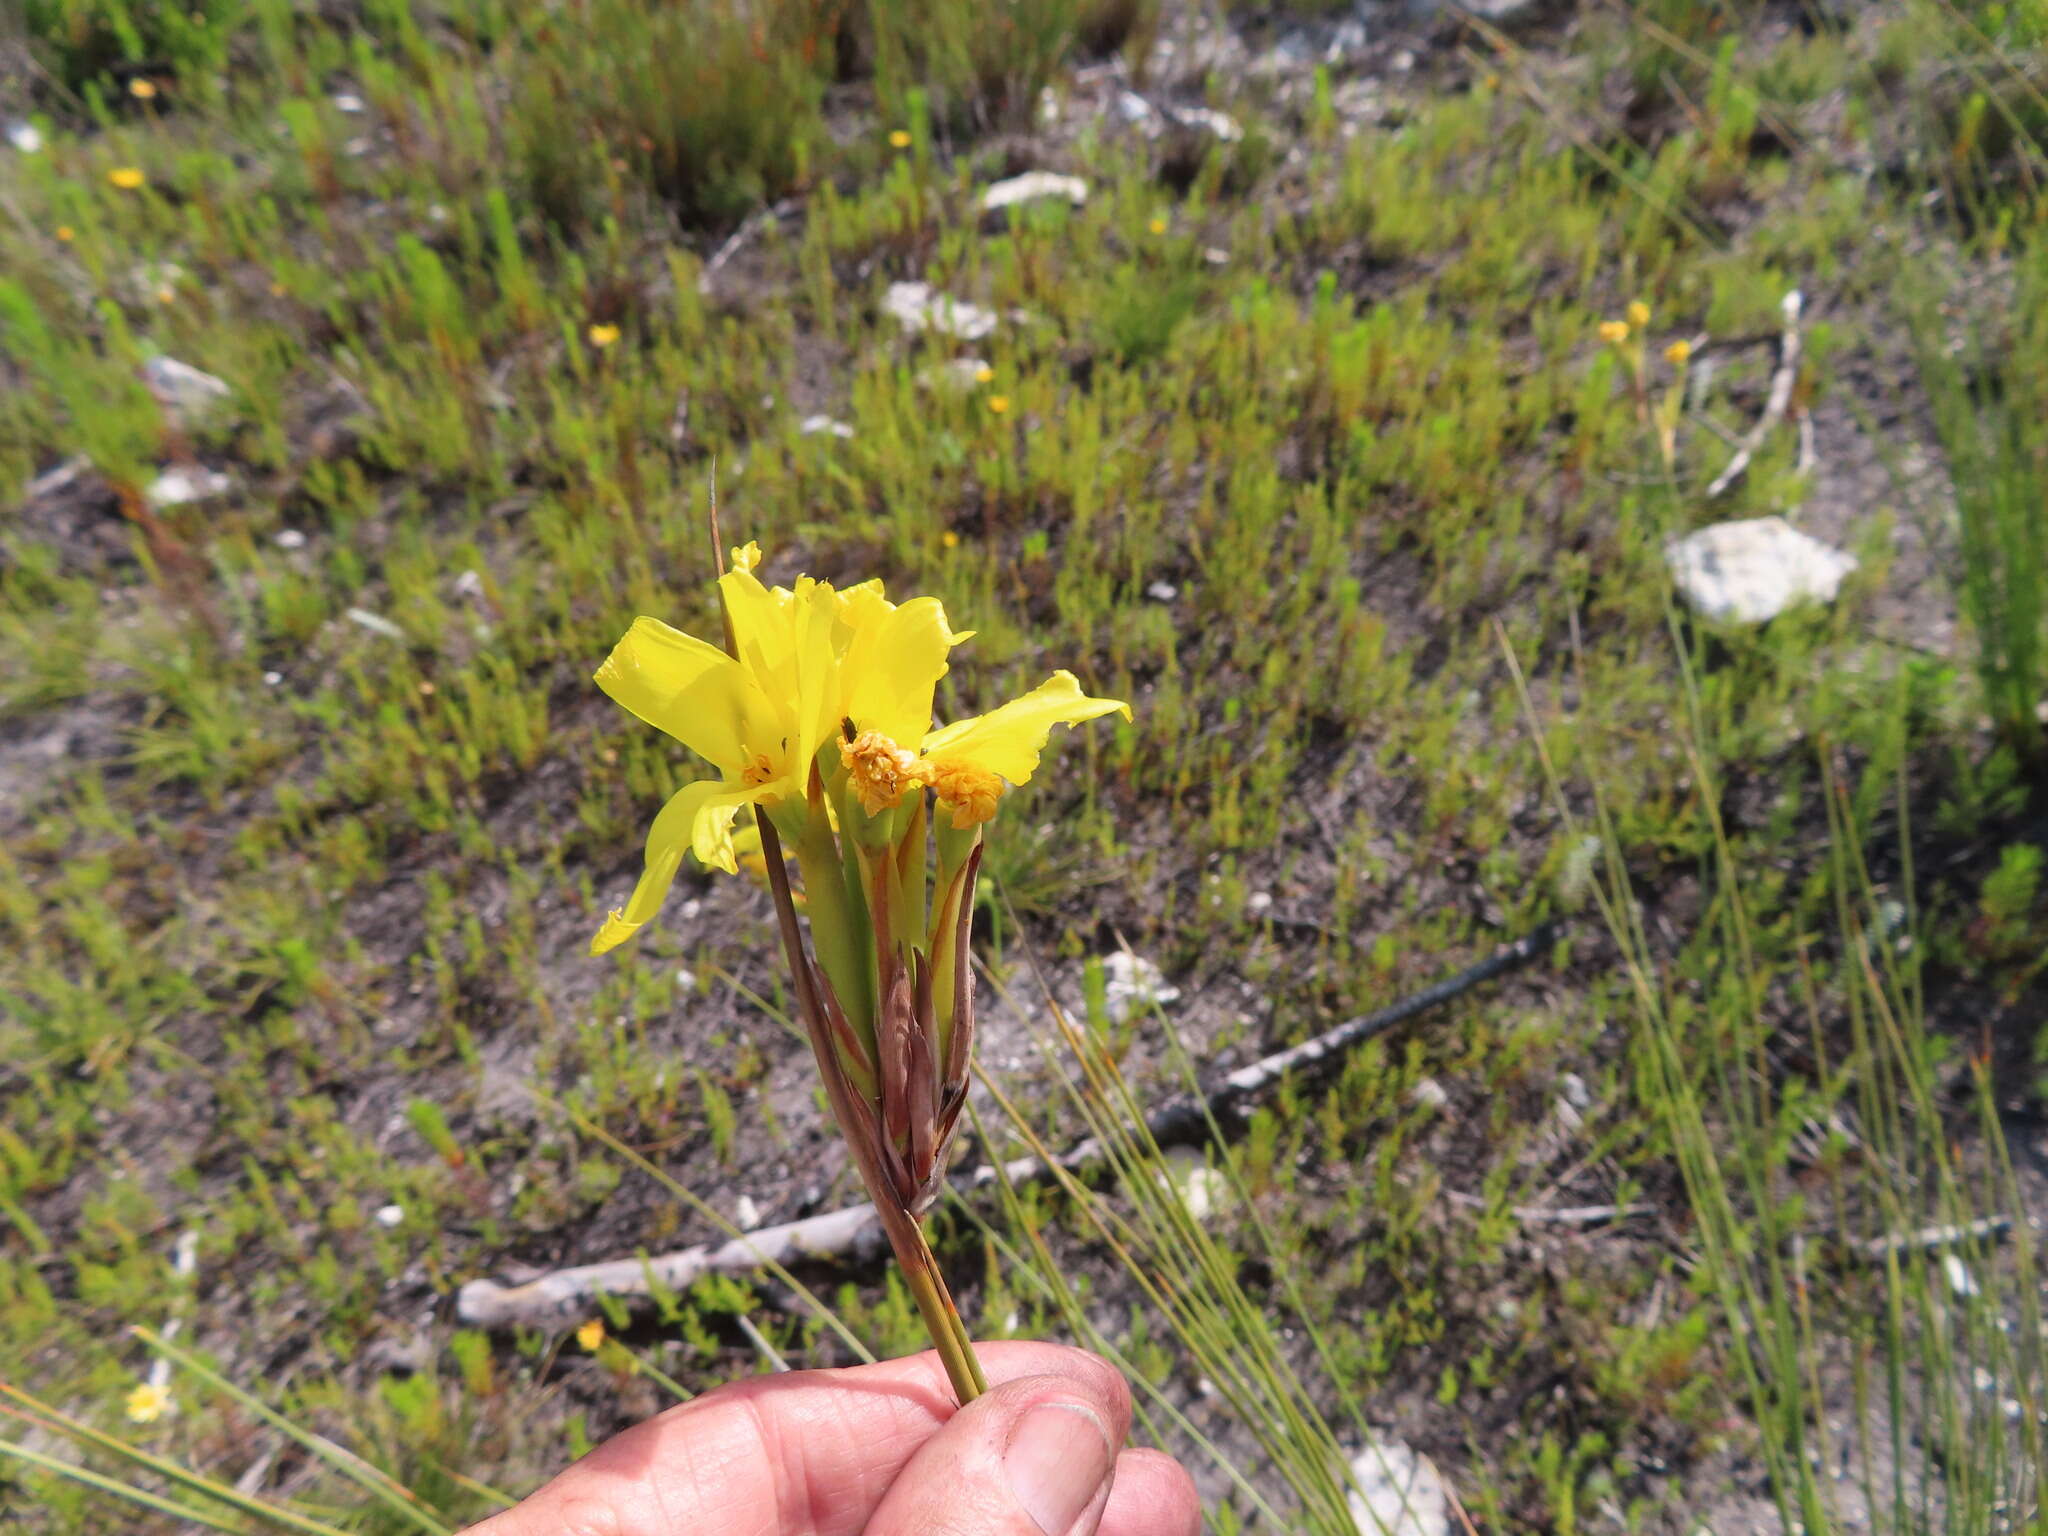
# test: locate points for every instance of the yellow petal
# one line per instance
(892, 665)
(699, 814)
(1008, 740)
(681, 685)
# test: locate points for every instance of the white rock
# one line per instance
(1202, 1189)
(290, 538)
(1259, 901)
(917, 308)
(1397, 1492)
(468, 584)
(1133, 108)
(1131, 982)
(685, 978)
(25, 136)
(1575, 1091)
(1428, 1091)
(376, 623)
(179, 486)
(189, 393)
(272, 679)
(745, 1214)
(347, 101)
(1960, 1280)
(1032, 186)
(185, 1254)
(1754, 569)
(390, 1215)
(814, 426)
(1223, 127)
(1162, 591)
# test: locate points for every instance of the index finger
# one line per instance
(809, 1453)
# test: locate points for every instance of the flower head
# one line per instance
(899, 138)
(1679, 353)
(148, 1402)
(591, 1334)
(127, 177)
(1614, 332)
(1638, 313)
(141, 89)
(602, 336)
(807, 658)
(998, 404)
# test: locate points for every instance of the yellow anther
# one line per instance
(879, 770)
(970, 793)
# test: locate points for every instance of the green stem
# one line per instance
(942, 1319)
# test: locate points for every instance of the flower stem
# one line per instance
(941, 1318)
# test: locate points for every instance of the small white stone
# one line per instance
(692, 907)
(1396, 1492)
(1402, 61)
(1754, 569)
(1162, 591)
(1032, 186)
(360, 146)
(685, 979)
(1202, 1189)
(1221, 126)
(1131, 982)
(1216, 256)
(189, 392)
(25, 136)
(290, 538)
(955, 375)
(272, 679)
(179, 486)
(1429, 1092)
(1960, 1280)
(374, 622)
(347, 101)
(468, 584)
(390, 1215)
(916, 307)
(1133, 108)
(813, 426)
(185, 1254)
(1259, 901)
(1575, 1091)
(745, 1214)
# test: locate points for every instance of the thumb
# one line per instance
(1034, 1457)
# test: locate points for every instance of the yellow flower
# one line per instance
(998, 403)
(808, 658)
(141, 89)
(1679, 353)
(899, 139)
(65, 233)
(148, 1402)
(591, 1334)
(971, 762)
(126, 177)
(1158, 226)
(949, 539)
(1638, 313)
(1614, 332)
(983, 374)
(602, 336)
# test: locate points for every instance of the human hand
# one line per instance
(881, 1449)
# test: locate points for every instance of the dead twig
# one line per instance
(854, 1234)
(1776, 403)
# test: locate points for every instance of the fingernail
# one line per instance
(1058, 1460)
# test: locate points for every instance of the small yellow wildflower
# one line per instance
(899, 139)
(148, 1403)
(1638, 313)
(66, 233)
(998, 403)
(983, 374)
(602, 336)
(1614, 332)
(591, 1334)
(1158, 226)
(127, 177)
(1679, 353)
(166, 295)
(140, 89)
(949, 539)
